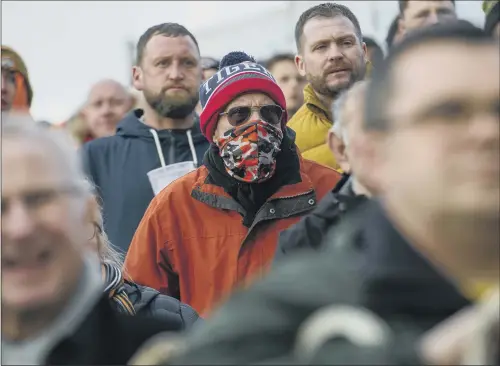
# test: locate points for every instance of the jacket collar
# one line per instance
(290, 190)
(313, 103)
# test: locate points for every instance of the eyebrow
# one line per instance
(329, 39)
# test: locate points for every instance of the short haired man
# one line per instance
(155, 145)
(415, 14)
(332, 57)
(283, 68)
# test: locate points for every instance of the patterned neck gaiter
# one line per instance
(249, 152)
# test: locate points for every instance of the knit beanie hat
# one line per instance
(238, 74)
(491, 9)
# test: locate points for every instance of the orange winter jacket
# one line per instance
(191, 243)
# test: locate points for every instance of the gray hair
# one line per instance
(337, 114)
(56, 142)
(338, 107)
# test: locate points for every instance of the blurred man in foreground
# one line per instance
(282, 67)
(402, 263)
(53, 308)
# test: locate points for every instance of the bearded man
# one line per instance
(157, 144)
(331, 55)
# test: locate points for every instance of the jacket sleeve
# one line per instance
(149, 259)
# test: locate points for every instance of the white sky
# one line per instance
(69, 45)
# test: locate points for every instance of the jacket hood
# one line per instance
(132, 126)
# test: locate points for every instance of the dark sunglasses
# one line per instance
(270, 113)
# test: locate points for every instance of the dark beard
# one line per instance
(169, 108)
(319, 84)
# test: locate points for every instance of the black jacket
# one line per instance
(149, 302)
(118, 166)
(105, 337)
(309, 232)
(385, 275)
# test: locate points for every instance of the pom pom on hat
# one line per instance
(234, 58)
(238, 74)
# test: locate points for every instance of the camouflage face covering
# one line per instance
(249, 152)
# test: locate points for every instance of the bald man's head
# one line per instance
(107, 103)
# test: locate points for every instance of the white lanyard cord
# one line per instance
(158, 147)
(191, 146)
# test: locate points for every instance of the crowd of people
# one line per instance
(337, 206)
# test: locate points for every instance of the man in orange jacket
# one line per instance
(217, 227)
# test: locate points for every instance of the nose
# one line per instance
(433, 18)
(106, 109)
(255, 115)
(334, 52)
(17, 223)
(484, 129)
(175, 72)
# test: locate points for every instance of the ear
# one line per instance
(137, 78)
(365, 50)
(299, 63)
(338, 149)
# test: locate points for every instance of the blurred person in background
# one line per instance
(282, 67)
(350, 144)
(126, 296)
(8, 85)
(394, 34)
(23, 94)
(209, 67)
(415, 14)
(77, 128)
(492, 21)
(107, 103)
(374, 52)
(401, 264)
(332, 57)
(53, 307)
(157, 144)
(216, 228)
